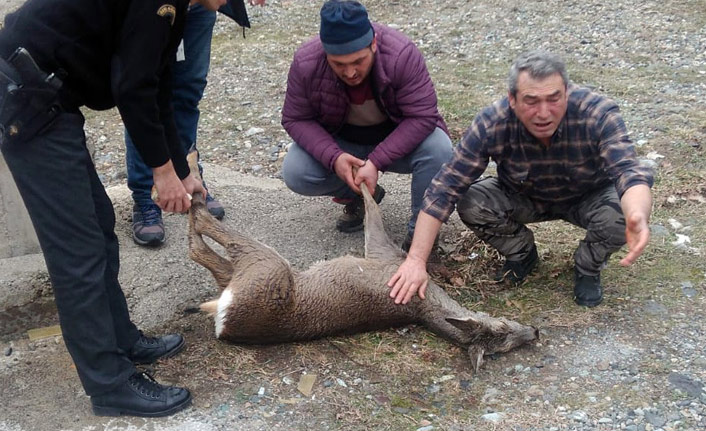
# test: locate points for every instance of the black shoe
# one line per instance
(354, 212)
(516, 271)
(147, 224)
(148, 349)
(587, 289)
(141, 395)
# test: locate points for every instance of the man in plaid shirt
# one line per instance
(562, 152)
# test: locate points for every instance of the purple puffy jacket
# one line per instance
(316, 102)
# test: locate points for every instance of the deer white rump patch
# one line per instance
(223, 304)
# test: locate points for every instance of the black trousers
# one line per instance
(75, 221)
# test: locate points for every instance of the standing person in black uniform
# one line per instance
(56, 57)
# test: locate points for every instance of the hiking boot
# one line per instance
(515, 271)
(147, 224)
(354, 212)
(149, 349)
(214, 207)
(587, 289)
(141, 395)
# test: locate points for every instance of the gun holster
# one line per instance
(29, 98)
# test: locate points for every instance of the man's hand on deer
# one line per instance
(345, 166)
(368, 174)
(171, 194)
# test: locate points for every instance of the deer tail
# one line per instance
(210, 307)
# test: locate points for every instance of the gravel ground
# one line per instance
(636, 363)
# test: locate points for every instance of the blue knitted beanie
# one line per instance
(345, 27)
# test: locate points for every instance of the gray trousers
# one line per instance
(75, 222)
(499, 217)
(305, 175)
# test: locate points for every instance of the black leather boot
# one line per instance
(515, 271)
(141, 395)
(587, 289)
(354, 212)
(148, 349)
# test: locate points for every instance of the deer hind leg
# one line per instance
(377, 243)
(201, 253)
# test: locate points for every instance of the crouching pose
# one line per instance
(562, 152)
(360, 100)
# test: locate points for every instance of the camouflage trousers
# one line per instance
(499, 216)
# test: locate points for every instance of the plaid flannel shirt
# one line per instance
(589, 149)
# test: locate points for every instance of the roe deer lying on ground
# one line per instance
(265, 301)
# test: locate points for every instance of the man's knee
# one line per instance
(292, 175)
(477, 210)
(608, 224)
(303, 174)
(436, 148)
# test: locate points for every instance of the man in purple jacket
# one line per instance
(360, 100)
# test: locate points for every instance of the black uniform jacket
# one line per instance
(110, 53)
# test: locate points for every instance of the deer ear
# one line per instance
(472, 325)
(465, 324)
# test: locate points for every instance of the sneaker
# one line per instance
(587, 289)
(148, 350)
(214, 207)
(354, 212)
(142, 396)
(515, 271)
(147, 224)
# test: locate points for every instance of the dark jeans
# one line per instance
(305, 175)
(188, 84)
(498, 217)
(74, 221)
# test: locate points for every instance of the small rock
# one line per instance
(535, 391)
(658, 230)
(603, 365)
(8, 351)
(579, 416)
(655, 308)
(341, 383)
(253, 131)
(493, 417)
(686, 384)
(445, 378)
(654, 419)
(426, 428)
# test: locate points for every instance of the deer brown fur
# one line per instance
(264, 300)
